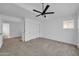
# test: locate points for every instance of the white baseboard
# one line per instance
(54, 40)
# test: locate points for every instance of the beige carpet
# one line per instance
(37, 47)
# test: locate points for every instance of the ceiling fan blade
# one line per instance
(45, 9)
(38, 15)
(49, 12)
(37, 11)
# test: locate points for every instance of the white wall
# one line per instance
(78, 31)
(1, 41)
(31, 29)
(53, 29)
(16, 29)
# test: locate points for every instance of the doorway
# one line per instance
(13, 30)
(6, 30)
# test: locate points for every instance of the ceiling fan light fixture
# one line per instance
(44, 12)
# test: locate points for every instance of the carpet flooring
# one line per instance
(37, 47)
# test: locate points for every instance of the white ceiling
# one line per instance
(14, 10)
(60, 9)
(26, 9)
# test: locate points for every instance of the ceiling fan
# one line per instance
(44, 12)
